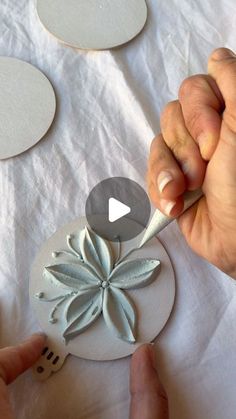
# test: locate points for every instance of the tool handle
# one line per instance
(190, 198)
(159, 221)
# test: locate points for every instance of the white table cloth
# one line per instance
(109, 105)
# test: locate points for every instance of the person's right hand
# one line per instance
(197, 148)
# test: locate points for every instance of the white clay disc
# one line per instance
(93, 24)
(153, 303)
(27, 106)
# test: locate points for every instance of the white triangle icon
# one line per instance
(117, 210)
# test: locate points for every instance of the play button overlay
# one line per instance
(118, 209)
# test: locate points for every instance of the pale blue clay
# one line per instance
(94, 284)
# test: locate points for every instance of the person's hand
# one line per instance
(148, 398)
(13, 362)
(197, 148)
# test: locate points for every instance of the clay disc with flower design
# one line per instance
(92, 300)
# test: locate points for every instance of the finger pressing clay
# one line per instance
(93, 24)
(27, 106)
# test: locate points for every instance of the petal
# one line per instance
(134, 273)
(96, 252)
(119, 314)
(74, 276)
(83, 310)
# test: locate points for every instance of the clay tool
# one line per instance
(159, 221)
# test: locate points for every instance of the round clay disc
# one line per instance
(153, 303)
(93, 24)
(27, 106)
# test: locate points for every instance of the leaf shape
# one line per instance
(119, 314)
(73, 276)
(83, 310)
(96, 252)
(134, 273)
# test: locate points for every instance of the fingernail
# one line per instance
(222, 54)
(232, 54)
(167, 206)
(163, 179)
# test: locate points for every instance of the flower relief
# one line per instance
(93, 283)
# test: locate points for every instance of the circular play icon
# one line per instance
(113, 204)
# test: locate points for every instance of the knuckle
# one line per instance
(168, 112)
(154, 163)
(157, 153)
(193, 122)
(192, 86)
(178, 145)
(161, 156)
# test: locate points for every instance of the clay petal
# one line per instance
(83, 310)
(133, 274)
(119, 314)
(96, 252)
(76, 276)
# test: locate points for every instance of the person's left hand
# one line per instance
(148, 398)
(13, 362)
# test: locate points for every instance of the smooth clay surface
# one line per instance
(93, 24)
(153, 303)
(27, 106)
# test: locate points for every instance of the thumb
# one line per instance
(148, 398)
(17, 359)
(222, 67)
(14, 361)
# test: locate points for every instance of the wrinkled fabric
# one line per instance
(108, 109)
